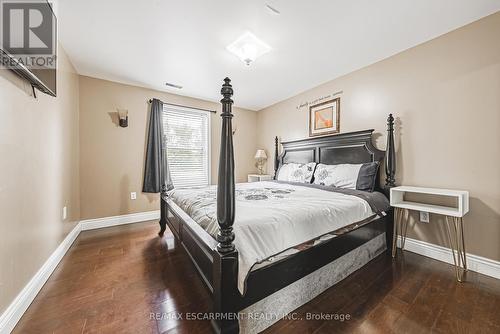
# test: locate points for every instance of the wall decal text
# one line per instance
(318, 100)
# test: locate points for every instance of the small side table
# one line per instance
(259, 177)
(453, 215)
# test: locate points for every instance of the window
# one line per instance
(188, 145)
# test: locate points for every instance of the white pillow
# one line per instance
(293, 172)
(342, 176)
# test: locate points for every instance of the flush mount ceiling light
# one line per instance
(248, 47)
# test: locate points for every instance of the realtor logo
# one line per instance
(29, 32)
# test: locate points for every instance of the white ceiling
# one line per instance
(150, 42)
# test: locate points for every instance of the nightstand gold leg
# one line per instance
(405, 217)
(454, 227)
(464, 253)
(401, 217)
(395, 231)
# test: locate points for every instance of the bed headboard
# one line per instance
(351, 147)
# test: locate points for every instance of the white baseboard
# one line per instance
(475, 263)
(20, 304)
(16, 309)
(91, 224)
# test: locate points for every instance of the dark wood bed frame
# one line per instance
(217, 260)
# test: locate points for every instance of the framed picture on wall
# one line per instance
(324, 118)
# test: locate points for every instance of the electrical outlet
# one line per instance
(133, 195)
(424, 217)
(65, 213)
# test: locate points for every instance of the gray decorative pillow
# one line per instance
(350, 176)
(367, 176)
(294, 172)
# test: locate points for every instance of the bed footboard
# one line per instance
(198, 244)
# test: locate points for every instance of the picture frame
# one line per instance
(324, 118)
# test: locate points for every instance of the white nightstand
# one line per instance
(259, 177)
(454, 221)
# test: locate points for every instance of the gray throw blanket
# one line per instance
(377, 201)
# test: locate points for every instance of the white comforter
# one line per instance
(272, 217)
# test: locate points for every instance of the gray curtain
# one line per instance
(156, 172)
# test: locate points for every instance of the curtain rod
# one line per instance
(180, 105)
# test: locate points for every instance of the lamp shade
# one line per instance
(122, 113)
(260, 154)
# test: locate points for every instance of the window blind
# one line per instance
(186, 134)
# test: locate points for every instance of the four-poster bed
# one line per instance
(217, 260)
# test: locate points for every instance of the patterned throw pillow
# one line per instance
(350, 176)
(293, 172)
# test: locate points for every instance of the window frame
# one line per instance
(178, 108)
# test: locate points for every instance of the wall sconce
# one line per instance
(123, 117)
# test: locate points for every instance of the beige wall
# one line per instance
(446, 96)
(39, 174)
(112, 158)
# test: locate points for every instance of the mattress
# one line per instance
(272, 218)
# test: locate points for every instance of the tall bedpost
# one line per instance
(225, 265)
(276, 157)
(390, 181)
(225, 185)
(390, 155)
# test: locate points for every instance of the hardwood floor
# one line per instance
(127, 280)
